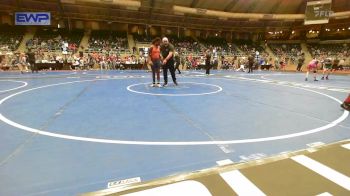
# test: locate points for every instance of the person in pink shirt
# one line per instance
(312, 67)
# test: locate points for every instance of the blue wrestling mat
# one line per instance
(66, 133)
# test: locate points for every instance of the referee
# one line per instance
(167, 51)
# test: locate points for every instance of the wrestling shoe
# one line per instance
(345, 106)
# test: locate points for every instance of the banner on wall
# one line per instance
(33, 18)
(318, 12)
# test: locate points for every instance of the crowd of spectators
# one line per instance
(53, 39)
(219, 45)
(142, 38)
(285, 49)
(108, 41)
(338, 54)
(105, 47)
(330, 50)
(98, 60)
(248, 47)
(285, 52)
(86, 61)
(185, 45)
(10, 37)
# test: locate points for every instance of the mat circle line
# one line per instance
(129, 88)
(17, 81)
(166, 143)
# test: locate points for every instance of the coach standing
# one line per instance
(207, 62)
(301, 61)
(167, 51)
(31, 60)
(250, 63)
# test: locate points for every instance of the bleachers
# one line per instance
(248, 47)
(286, 49)
(52, 39)
(108, 41)
(215, 43)
(186, 45)
(10, 37)
(142, 38)
(111, 43)
(330, 50)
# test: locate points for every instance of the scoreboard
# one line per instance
(318, 12)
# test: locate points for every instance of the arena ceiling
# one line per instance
(160, 12)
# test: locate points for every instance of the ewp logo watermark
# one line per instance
(33, 18)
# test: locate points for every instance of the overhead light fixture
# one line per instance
(127, 3)
(132, 8)
(179, 13)
(341, 17)
(215, 13)
(68, 1)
